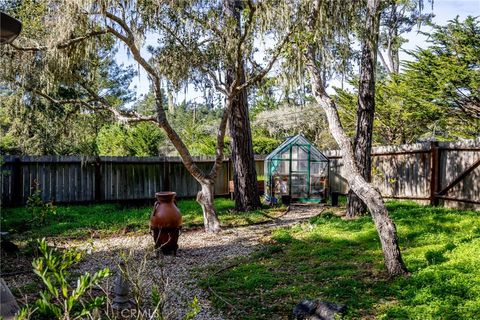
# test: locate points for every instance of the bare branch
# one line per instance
(129, 41)
(384, 63)
(268, 67)
(61, 45)
(218, 84)
(243, 37)
(221, 137)
(94, 103)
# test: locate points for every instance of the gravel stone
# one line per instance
(197, 250)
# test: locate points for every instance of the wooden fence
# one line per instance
(75, 179)
(436, 173)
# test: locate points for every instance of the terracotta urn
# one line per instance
(166, 222)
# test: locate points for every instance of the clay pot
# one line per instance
(166, 222)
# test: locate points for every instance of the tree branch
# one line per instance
(267, 68)
(218, 84)
(243, 37)
(384, 63)
(123, 117)
(61, 45)
(129, 41)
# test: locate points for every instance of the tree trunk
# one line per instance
(205, 198)
(244, 173)
(368, 194)
(366, 105)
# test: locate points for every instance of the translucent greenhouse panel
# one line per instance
(319, 168)
(300, 152)
(280, 185)
(300, 165)
(316, 155)
(299, 185)
(318, 180)
(266, 168)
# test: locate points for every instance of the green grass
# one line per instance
(341, 261)
(107, 219)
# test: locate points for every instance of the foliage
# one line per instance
(141, 140)
(106, 219)
(446, 73)
(397, 19)
(60, 299)
(37, 208)
(429, 98)
(264, 145)
(38, 125)
(285, 121)
(197, 124)
(194, 309)
(341, 261)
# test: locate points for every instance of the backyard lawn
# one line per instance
(340, 261)
(108, 219)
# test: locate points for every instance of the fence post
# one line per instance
(434, 172)
(98, 180)
(17, 182)
(166, 175)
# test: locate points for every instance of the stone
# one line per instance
(8, 305)
(317, 310)
(121, 299)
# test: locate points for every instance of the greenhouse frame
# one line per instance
(298, 170)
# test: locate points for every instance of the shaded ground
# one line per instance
(262, 271)
(340, 261)
(100, 220)
(197, 251)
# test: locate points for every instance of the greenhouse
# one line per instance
(296, 171)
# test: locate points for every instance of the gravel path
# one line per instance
(197, 249)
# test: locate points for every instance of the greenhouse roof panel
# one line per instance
(298, 140)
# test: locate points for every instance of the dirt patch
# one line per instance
(197, 250)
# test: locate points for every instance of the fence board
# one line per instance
(398, 172)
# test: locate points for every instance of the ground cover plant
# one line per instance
(341, 261)
(107, 219)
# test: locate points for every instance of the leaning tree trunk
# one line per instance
(366, 105)
(368, 194)
(244, 172)
(205, 198)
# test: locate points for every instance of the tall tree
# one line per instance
(183, 53)
(447, 72)
(397, 18)
(244, 172)
(366, 102)
(327, 21)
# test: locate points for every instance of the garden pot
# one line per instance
(166, 222)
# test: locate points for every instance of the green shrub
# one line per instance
(60, 299)
(38, 209)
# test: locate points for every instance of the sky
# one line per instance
(443, 10)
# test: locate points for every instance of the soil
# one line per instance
(175, 275)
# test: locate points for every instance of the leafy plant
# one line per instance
(38, 209)
(60, 299)
(194, 309)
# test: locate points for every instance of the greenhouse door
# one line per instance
(300, 171)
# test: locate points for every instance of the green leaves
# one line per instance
(449, 68)
(60, 299)
(435, 97)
